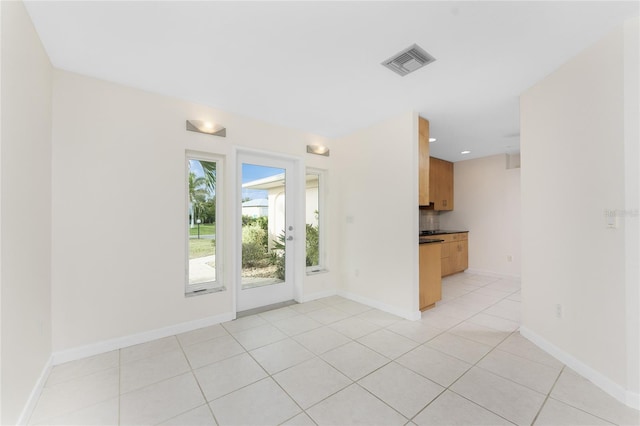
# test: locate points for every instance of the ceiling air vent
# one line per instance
(408, 60)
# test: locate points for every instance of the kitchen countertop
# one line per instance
(427, 240)
(432, 236)
(440, 232)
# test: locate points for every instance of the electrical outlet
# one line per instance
(509, 258)
(356, 272)
(558, 310)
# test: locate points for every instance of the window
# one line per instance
(315, 220)
(203, 225)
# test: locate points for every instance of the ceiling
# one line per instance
(315, 66)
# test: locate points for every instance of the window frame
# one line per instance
(216, 285)
(322, 220)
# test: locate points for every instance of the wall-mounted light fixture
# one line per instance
(206, 127)
(318, 150)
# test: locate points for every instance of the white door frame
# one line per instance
(292, 288)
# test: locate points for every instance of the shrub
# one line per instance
(253, 248)
(262, 222)
(313, 245)
(252, 255)
(278, 255)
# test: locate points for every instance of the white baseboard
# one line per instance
(134, 339)
(631, 399)
(35, 393)
(410, 315)
(491, 273)
(317, 295)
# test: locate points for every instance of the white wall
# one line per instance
(378, 213)
(573, 169)
(487, 204)
(118, 208)
(25, 225)
(632, 202)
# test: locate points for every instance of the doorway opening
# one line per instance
(267, 232)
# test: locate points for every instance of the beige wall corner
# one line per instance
(25, 227)
(378, 214)
(487, 204)
(575, 133)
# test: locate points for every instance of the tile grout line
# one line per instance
(571, 405)
(315, 356)
(353, 382)
(547, 396)
(319, 357)
(204, 397)
(191, 370)
(472, 366)
(481, 311)
(496, 348)
(270, 376)
(392, 360)
(380, 399)
(448, 388)
(84, 374)
(350, 315)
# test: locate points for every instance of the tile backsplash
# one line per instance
(429, 220)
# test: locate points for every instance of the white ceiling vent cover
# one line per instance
(408, 60)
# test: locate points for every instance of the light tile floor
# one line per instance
(338, 362)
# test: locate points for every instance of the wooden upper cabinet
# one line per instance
(441, 184)
(423, 162)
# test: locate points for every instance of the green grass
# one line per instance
(201, 248)
(205, 229)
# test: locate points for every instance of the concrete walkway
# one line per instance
(200, 271)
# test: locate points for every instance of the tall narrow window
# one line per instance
(203, 226)
(314, 220)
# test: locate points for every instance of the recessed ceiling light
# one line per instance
(432, 139)
(465, 152)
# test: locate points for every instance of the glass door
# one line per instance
(267, 231)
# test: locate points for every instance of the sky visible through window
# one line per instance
(252, 172)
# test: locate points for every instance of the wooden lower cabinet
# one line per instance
(430, 275)
(461, 258)
(455, 253)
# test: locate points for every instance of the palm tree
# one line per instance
(201, 188)
(209, 169)
(197, 194)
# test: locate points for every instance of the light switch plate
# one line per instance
(611, 216)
